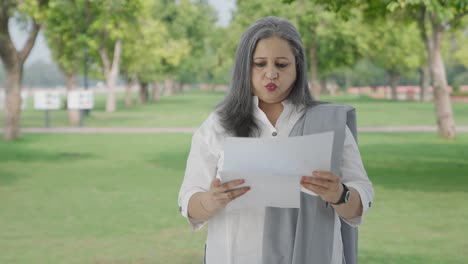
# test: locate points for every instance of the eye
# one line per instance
(282, 65)
(260, 64)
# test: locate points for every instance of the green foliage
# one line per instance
(459, 45)
(149, 47)
(443, 11)
(66, 33)
(192, 23)
(340, 43)
(35, 9)
(365, 73)
(109, 21)
(396, 47)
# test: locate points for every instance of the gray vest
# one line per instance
(305, 235)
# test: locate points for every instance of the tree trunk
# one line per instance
(144, 93)
(424, 82)
(323, 86)
(128, 91)
(111, 72)
(394, 80)
(347, 79)
(169, 86)
(443, 105)
(156, 92)
(314, 82)
(176, 87)
(12, 110)
(13, 61)
(128, 94)
(73, 114)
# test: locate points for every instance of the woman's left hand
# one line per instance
(324, 183)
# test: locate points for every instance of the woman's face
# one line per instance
(273, 70)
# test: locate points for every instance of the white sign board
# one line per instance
(24, 100)
(81, 99)
(47, 100)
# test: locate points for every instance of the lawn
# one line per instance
(189, 109)
(113, 199)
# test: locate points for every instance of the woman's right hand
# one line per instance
(220, 194)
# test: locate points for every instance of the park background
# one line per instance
(106, 192)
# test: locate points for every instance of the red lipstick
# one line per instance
(271, 87)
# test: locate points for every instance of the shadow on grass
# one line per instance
(175, 160)
(418, 166)
(7, 177)
(21, 151)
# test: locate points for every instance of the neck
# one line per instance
(272, 111)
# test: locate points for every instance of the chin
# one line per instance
(271, 100)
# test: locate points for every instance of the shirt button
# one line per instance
(274, 134)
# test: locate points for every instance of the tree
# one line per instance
(434, 18)
(441, 16)
(396, 48)
(196, 22)
(332, 42)
(33, 12)
(65, 33)
(151, 51)
(109, 22)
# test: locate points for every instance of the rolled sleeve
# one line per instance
(200, 171)
(355, 176)
(183, 207)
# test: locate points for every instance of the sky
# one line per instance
(42, 52)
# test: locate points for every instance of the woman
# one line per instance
(269, 97)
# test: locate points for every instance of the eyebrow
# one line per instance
(275, 58)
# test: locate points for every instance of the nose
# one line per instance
(271, 74)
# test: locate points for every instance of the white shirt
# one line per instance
(235, 237)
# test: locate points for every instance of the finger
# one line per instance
(322, 183)
(238, 192)
(314, 188)
(222, 199)
(231, 194)
(326, 175)
(318, 181)
(230, 185)
(215, 183)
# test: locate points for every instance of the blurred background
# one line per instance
(99, 99)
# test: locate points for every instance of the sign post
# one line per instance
(80, 100)
(47, 100)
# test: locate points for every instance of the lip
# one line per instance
(271, 87)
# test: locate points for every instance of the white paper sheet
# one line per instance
(273, 167)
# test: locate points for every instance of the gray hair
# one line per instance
(235, 110)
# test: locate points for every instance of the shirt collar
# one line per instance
(286, 103)
(258, 113)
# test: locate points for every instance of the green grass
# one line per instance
(189, 109)
(113, 199)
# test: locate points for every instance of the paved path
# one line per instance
(190, 130)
